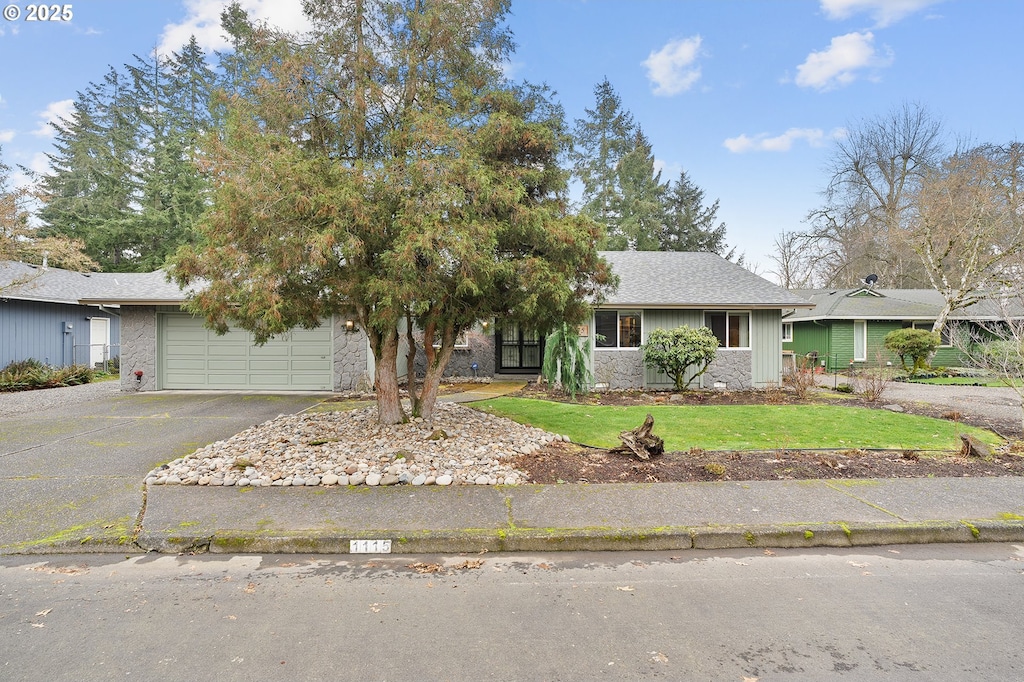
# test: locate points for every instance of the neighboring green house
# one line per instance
(671, 289)
(848, 326)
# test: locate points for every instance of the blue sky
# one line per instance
(746, 95)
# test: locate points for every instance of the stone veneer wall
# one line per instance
(731, 367)
(620, 369)
(480, 351)
(350, 359)
(138, 347)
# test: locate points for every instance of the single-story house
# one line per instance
(165, 348)
(672, 289)
(41, 317)
(847, 327)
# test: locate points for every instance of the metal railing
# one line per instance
(100, 356)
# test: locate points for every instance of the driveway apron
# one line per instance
(72, 475)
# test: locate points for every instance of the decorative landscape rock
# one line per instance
(351, 448)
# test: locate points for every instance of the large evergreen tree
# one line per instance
(640, 204)
(124, 176)
(601, 142)
(382, 167)
(689, 224)
(623, 191)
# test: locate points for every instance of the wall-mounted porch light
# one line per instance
(350, 326)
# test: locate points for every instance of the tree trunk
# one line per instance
(437, 360)
(389, 403)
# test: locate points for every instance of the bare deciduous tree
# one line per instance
(967, 227)
(997, 347)
(874, 172)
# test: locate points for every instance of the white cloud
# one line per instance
(203, 21)
(672, 69)
(6, 136)
(839, 64)
(40, 163)
(669, 171)
(53, 112)
(762, 142)
(884, 12)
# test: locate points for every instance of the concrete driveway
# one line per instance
(71, 473)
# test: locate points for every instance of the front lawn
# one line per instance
(740, 427)
(964, 381)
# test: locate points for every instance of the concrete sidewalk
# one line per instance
(71, 481)
(585, 517)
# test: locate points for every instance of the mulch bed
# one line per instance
(571, 463)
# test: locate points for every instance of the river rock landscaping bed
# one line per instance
(461, 446)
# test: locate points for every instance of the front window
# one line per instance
(617, 329)
(731, 329)
(860, 340)
(787, 332)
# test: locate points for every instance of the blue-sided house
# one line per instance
(41, 317)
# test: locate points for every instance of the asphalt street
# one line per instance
(926, 612)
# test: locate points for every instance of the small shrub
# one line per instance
(843, 388)
(916, 344)
(715, 469)
(772, 393)
(801, 379)
(23, 366)
(27, 375)
(677, 351)
(871, 383)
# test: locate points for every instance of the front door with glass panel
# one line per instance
(518, 350)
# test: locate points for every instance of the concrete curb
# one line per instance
(797, 536)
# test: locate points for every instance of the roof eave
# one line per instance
(130, 301)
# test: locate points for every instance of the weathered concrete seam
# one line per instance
(845, 491)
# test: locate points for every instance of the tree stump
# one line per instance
(972, 447)
(640, 442)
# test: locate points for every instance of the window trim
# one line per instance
(618, 328)
(864, 337)
(787, 338)
(730, 313)
(461, 341)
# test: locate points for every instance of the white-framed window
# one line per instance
(787, 332)
(860, 340)
(731, 328)
(461, 341)
(927, 326)
(617, 328)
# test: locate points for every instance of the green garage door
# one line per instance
(192, 356)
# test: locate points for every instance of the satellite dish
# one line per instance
(871, 279)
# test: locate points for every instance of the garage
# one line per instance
(194, 357)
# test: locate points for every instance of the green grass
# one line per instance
(740, 427)
(965, 381)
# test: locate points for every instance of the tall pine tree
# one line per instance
(124, 177)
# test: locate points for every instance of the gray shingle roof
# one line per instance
(141, 288)
(34, 283)
(690, 279)
(891, 304)
(26, 282)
